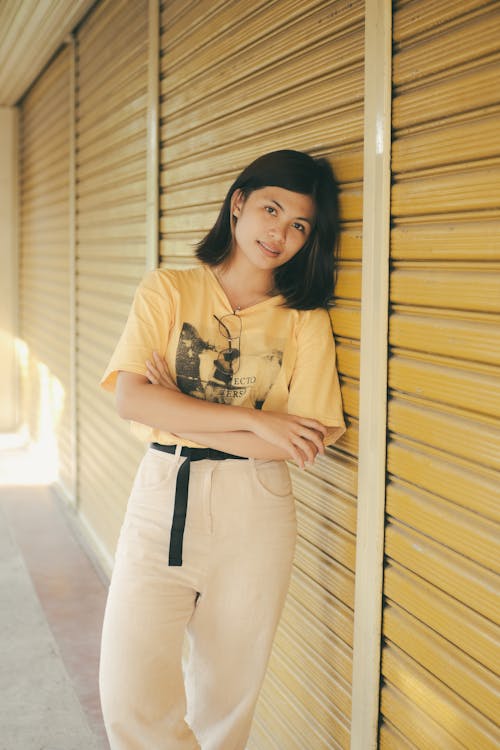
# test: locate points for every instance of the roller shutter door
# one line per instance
(440, 623)
(238, 79)
(44, 276)
(111, 238)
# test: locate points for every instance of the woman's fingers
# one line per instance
(313, 431)
(163, 369)
(298, 457)
(314, 437)
(300, 437)
(158, 372)
(313, 424)
(308, 449)
(160, 363)
(152, 373)
(303, 452)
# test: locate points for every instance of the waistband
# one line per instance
(197, 454)
(182, 490)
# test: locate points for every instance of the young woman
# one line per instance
(228, 370)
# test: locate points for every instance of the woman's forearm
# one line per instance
(240, 443)
(172, 411)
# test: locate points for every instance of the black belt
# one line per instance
(181, 492)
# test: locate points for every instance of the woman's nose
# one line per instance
(278, 232)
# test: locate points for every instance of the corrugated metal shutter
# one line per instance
(44, 279)
(238, 79)
(440, 624)
(111, 238)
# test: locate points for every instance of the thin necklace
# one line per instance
(237, 308)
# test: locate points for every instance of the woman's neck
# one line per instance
(244, 287)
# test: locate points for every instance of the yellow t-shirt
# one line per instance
(265, 357)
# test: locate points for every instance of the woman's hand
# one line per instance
(300, 437)
(158, 373)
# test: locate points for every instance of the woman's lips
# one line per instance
(269, 250)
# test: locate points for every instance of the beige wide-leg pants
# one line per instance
(227, 596)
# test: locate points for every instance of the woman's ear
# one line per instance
(237, 200)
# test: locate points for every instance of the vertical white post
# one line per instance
(152, 170)
(373, 376)
(73, 490)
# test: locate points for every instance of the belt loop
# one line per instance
(178, 449)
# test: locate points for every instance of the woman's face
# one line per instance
(272, 225)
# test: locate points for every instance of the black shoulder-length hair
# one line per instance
(307, 280)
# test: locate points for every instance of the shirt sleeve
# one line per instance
(147, 329)
(314, 389)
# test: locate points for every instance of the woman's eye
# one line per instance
(270, 209)
(300, 227)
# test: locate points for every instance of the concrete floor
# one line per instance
(52, 600)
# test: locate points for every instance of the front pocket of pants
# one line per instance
(273, 477)
(145, 533)
(155, 471)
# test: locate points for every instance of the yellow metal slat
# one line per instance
(478, 86)
(345, 128)
(327, 93)
(320, 638)
(210, 19)
(348, 359)
(417, 17)
(319, 58)
(433, 715)
(443, 380)
(470, 288)
(307, 661)
(123, 124)
(104, 28)
(459, 624)
(459, 529)
(324, 498)
(174, 11)
(447, 332)
(125, 161)
(390, 738)
(449, 240)
(416, 727)
(304, 690)
(285, 721)
(321, 532)
(329, 610)
(455, 46)
(459, 143)
(281, 34)
(470, 190)
(123, 185)
(346, 318)
(102, 66)
(100, 110)
(454, 479)
(326, 571)
(466, 581)
(473, 682)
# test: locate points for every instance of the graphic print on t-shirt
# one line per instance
(217, 370)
